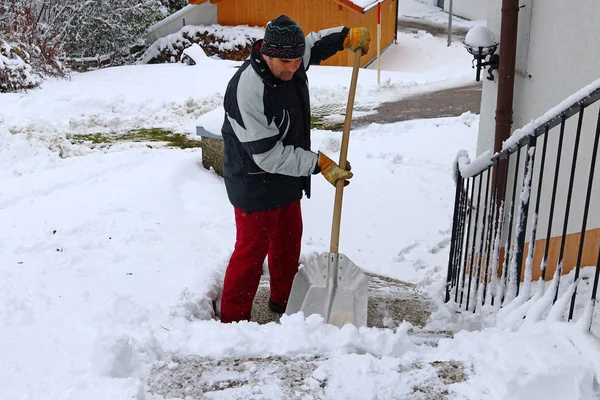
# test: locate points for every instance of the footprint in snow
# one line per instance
(406, 250)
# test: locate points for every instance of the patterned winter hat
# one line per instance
(283, 39)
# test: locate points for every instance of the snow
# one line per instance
(196, 53)
(19, 156)
(212, 121)
(365, 3)
(470, 168)
(422, 51)
(480, 36)
(228, 37)
(115, 100)
(110, 258)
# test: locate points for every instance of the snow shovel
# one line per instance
(331, 285)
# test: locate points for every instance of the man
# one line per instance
(268, 162)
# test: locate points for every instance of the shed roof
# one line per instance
(360, 6)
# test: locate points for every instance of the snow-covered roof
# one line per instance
(360, 5)
(357, 5)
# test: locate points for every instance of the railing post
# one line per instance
(453, 239)
(459, 238)
(511, 214)
(534, 225)
(493, 217)
(464, 198)
(475, 227)
(482, 238)
(553, 199)
(595, 287)
(524, 207)
(468, 229)
(561, 256)
(500, 286)
(585, 214)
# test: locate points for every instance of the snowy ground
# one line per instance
(109, 260)
(173, 96)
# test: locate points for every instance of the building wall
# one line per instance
(468, 9)
(556, 56)
(313, 15)
(202, 14)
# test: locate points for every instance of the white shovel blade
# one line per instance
(331, 280)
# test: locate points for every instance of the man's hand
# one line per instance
(332, 172)
(358, 38)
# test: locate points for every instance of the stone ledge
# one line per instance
(212, 150)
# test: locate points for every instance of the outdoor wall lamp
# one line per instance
(481, 43)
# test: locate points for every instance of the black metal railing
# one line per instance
(494, 223)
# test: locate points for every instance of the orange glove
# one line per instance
(358, 38)
(332, 172)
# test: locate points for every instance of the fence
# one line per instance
(501, 242)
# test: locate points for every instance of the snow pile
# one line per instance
(294, 336)
(20, 155)
(194, 53)
(541, 361)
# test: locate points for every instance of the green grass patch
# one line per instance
(140, 135)
(95, 138)
(319, 122)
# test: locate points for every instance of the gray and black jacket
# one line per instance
(267, 161)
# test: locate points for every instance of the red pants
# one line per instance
(276, 233)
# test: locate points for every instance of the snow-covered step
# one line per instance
(194, 378)
(390, 303)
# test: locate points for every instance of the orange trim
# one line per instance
(196, 2)
(589, 258)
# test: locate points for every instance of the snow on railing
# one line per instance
(568, 107)
(490, 223)
(554, 113)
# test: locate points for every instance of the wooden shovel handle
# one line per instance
(339, 187)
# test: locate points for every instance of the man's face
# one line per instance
(283, 68)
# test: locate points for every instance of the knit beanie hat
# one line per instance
(283, 39)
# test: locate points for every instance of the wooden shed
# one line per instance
(314, 15)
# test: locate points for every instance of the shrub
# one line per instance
(16, 72)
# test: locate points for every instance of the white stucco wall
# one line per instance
(203, 14)
(558, 47)
(468, 9)
(434, 2)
